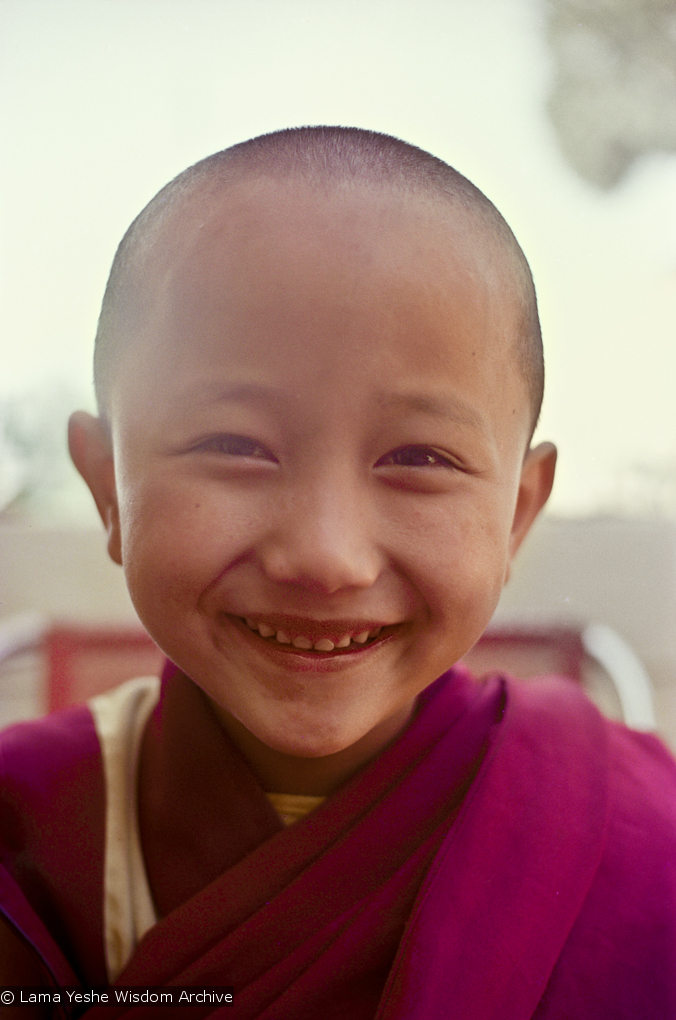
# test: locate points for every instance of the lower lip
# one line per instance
(305, 660)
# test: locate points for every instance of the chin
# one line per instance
(309, 744)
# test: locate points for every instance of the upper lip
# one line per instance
(313, 629)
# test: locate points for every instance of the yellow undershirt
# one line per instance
(291, 807)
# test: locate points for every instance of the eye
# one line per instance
(416, 457)
(237, 446)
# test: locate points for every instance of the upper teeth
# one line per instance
(322, 645)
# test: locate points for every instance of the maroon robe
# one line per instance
(511, 855)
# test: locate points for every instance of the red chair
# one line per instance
(45, 666)
(84, 661)
(529, 652)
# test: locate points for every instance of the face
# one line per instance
(318, 440)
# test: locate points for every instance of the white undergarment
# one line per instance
(120, 717)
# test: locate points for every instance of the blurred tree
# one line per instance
(614, 93)
(33, 452)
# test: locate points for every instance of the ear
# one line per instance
(535, 485)
(91, 449)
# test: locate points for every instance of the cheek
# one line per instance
(178, 538)
(457, 559)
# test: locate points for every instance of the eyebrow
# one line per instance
(435, 405)
(216, 393)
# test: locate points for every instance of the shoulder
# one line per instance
(46, 761)
(640, 854)
(52, 806)
(35, 747)
(642, 768)
(620, 957)
(622, 946)
(637, 770)
(43, 764)
(641, 839)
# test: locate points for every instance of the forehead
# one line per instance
(264, 228)
(274, 273)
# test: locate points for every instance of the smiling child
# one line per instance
(319, 369)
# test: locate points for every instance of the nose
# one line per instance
(322, 540)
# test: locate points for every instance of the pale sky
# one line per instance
(103, 101)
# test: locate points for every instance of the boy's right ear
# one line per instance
(91, 448)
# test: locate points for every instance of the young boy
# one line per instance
(319, 369)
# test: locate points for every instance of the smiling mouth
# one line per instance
(350, 641)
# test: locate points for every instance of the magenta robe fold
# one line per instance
(511, 855)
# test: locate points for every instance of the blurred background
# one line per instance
(562, 111)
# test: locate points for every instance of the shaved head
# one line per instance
(323, 158)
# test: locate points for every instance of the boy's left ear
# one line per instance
(91, 450)
(537, 478)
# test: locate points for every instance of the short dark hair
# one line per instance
(322, 156)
